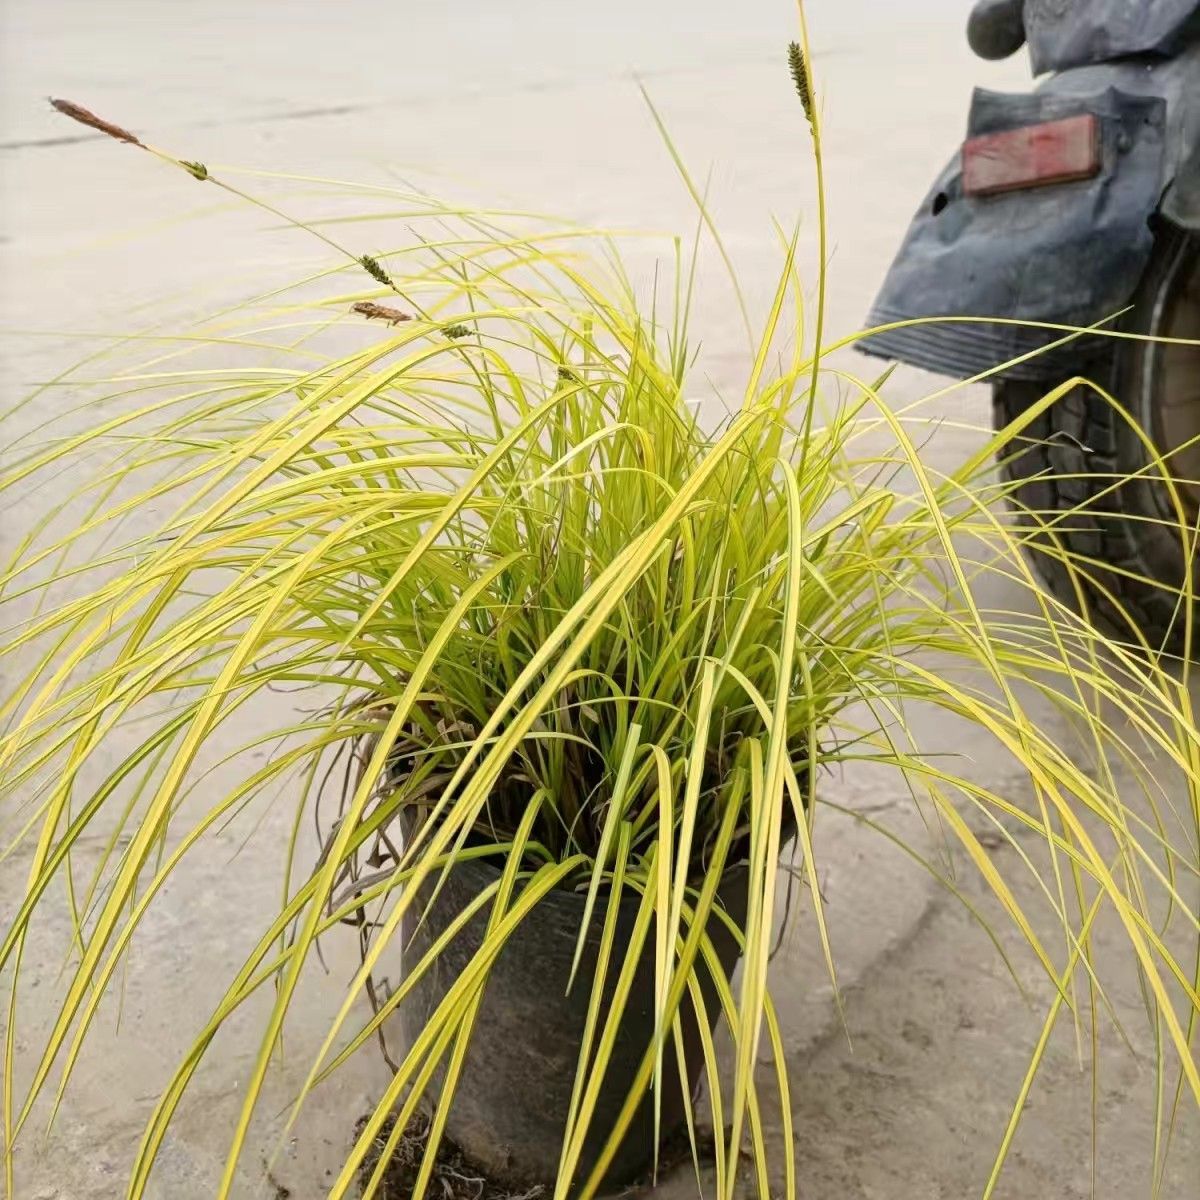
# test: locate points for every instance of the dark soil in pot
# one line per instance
(455, 1177)
(510, 1108)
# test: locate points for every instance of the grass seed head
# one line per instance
(375, 270)
(86, 117)
(380, 312)
(803, 84)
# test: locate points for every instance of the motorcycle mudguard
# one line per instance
(1071, 33)
(1066, 254)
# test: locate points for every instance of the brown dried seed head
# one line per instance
(86, 117)
(379, 312)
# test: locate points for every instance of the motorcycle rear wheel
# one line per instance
(1082, 458)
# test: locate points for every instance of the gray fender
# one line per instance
(1070, 254)
(1064, 34)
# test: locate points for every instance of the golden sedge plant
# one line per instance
(550, 618)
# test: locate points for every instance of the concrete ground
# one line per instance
(534, 104)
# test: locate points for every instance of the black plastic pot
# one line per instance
(510, 1107)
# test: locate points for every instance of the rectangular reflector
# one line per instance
(1033, 156)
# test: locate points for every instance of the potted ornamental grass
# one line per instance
(571, 666)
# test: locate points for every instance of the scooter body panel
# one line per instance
(1068, 254)
(1063, 34)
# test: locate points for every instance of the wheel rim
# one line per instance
(1173, 375)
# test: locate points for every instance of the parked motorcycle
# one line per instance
(1065, 207)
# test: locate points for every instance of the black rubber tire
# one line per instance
(1069, 459)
